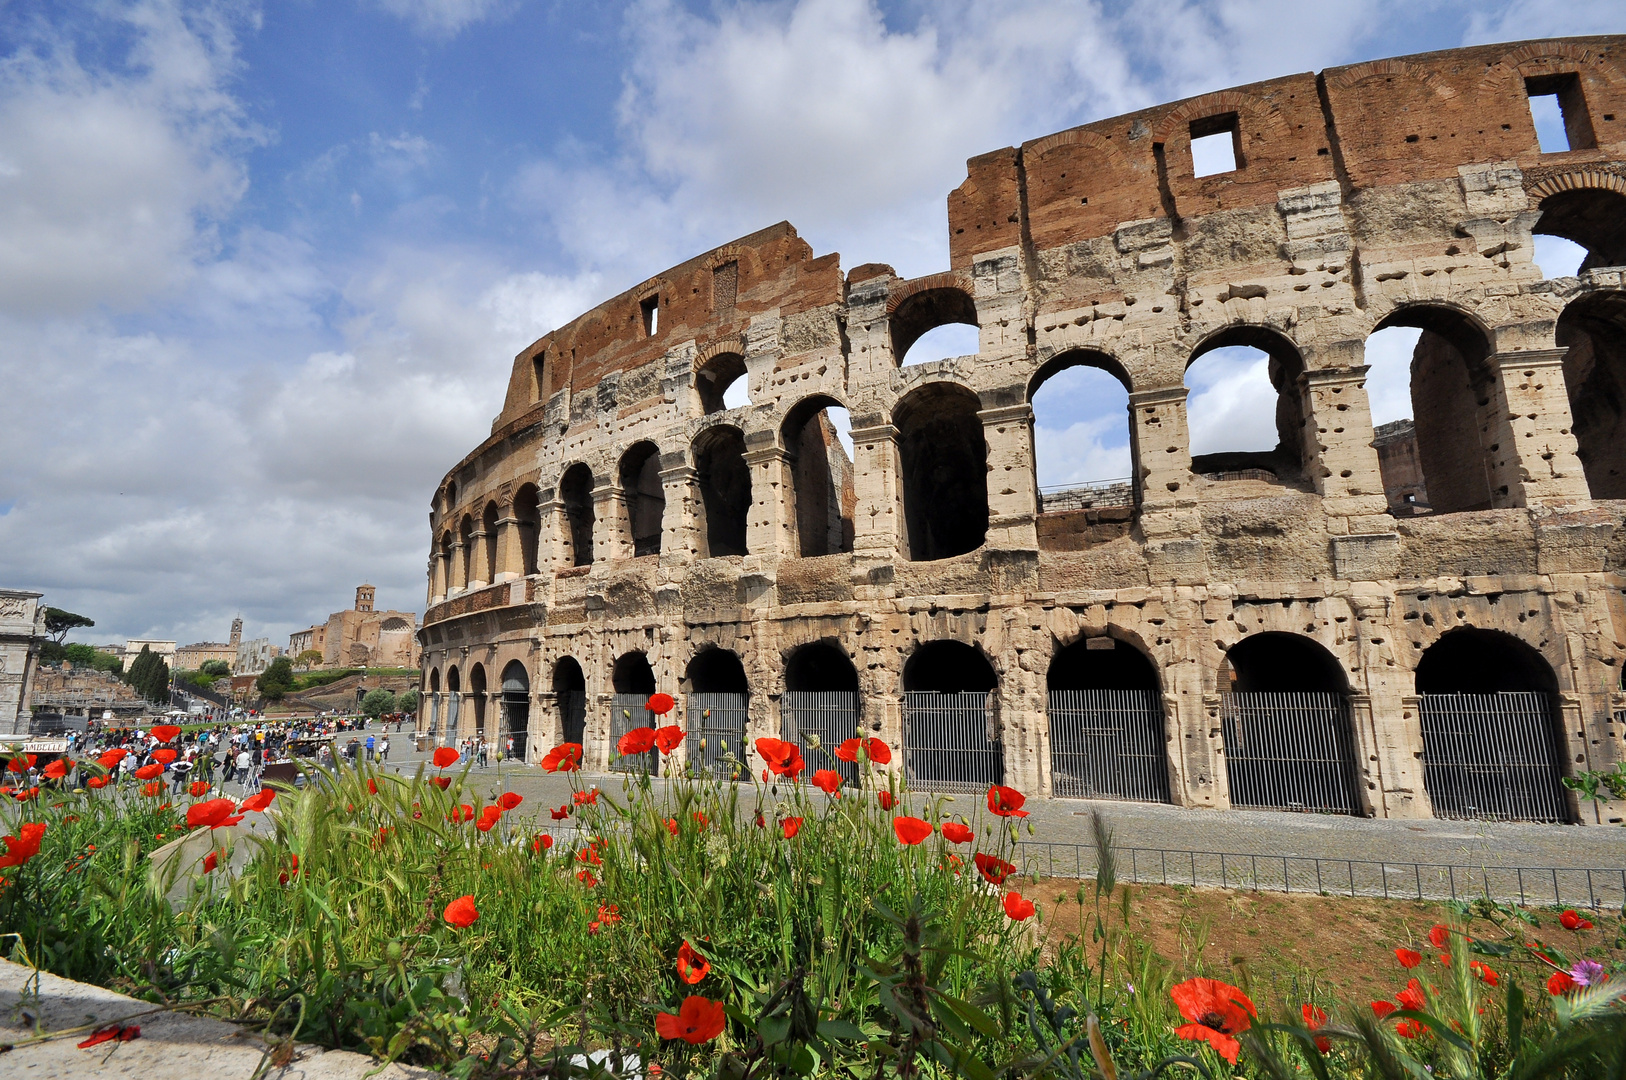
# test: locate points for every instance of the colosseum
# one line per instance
(1424, 621)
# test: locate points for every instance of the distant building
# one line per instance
(22, 630)
(253, 657)
(164, 650)
(362, 637)
(192, 657)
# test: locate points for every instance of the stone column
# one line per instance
(1012, 496)
(552, 553)
(460, 566)
(611, 537)
(510, 552)
(770, 528)
(1530, 440)
(1339, 458)
(680, 541)
(1164, 486)
(437, 579)
(477, 559)
(878, 519)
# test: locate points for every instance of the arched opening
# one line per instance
(1082, 451)
(644, 497)
(934, 324)
(516, 710)
(951, 732)
(823, 498)
(722, 384)
(527, 512)
(1491, 745)
(432, 704)
(1289, 740)
(469, 564)
(445, 556)
(576, 496)
(1441, 463)
(488, 524)
(1594, 219)
(633, 680)
(944, 463)
(1106, 723)
(821, 698)
(477, 694)
(1592, 331)
(716, 697)
(454, 704)
(1244, 411)
(725, 490)
(570, 695)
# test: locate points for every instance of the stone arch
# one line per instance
(823, 498)
(516, 709)
(716, 695)
(1586, 207)
(821, 698)
(488, 556)
(465, 535)
(943, 460)
(925, 305)
(714, 377)
(570, 696)
(631, 674)
(1107, 728)
(724, 482)
(1592, 331)
(951, 732)
(576, 503)
(1097, 494)
(1284, 366)
(645, 498)
(1276, 661)
(434, 680)
(528, 513)
(477, 692)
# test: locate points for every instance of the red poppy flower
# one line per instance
(1438, 935)
(1409, 958)
(660, 704)
(781, 757)
(152, 789)
(700, 822)
(560, 814)
(1006, 802)
(488, 817)
(442, 782)
(586, 798)
(589, 854)
(19, 764)
(509, 799)
(198, 788)
(1559, 982)
(691, 966)
(566, 757)
(19, 849)
(791, 826)
(956, 833)
(148, 772)
(609, 914)
(877, 750)
(542, 843)
(98, 781)
(1218, 1012)
(828, 781)
(697, 1021)
(461, 912)
(108, 1034)
(1018, 908)
(1315, 1020)
(1573, 920)
(886, 800)
(211, 814)
(446, 756)
(210, 861)
(994, 869)
(1412, 997)
(911, 830)
(668, 738)
(164, 756)
(1409, 1029)
(462, 813)
(640, 740)
(59, 768)
(257, 802)
(586, 878)
(372, 786)
(672, 825)
(110, 758)
(1380, 1009)
(165, 732)
(1485, 972)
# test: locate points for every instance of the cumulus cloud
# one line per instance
(445, 18)
(1231, 405)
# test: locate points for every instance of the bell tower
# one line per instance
(364, 597)
(237, 631)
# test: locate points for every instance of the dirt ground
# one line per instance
(1344, 947)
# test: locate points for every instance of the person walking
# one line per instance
(369, 746)
(482, 751)
(179, 771)
(384, 750)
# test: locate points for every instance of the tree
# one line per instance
(309, 658)
(59, 622)
(378, 702)
(217, 668)
(150, 675)
(407, 701)
(276, 680)
(88, 656)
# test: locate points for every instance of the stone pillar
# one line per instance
(680, 540)
(612, 540)
(477, 559)
(1339, 458)
(510, 552)
(1531, 442)
(1012, 496)
(1161, 446)
(552, 553)
(1205, 754)
(877, 477)
(460, 568)
(437, 579)
(770, 528)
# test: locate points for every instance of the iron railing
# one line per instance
(628, 711)
(1118, 493)
(832, 715)
(1289, 751)
(1108, 744)
(1492, 756)
(951, 741)
(516, 722)
(572, 715)
(716, 724)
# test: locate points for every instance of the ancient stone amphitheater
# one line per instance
(1291, 629)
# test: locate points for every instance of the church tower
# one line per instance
(364, 598)
(237, 631)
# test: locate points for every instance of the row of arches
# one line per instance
(1486, 705)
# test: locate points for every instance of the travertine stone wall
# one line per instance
(1397, 192)
(22, 630)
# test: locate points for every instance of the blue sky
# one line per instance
(263, 267)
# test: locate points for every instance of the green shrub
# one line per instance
(378, 702)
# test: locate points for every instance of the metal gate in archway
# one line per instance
(831, 715)
(516, 709)
(628, 711)
(716, 725)
(572, 716)
(951, 741)
(1290, 751)
(1492, 756)
(1108, 744)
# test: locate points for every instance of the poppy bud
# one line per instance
(393, 951)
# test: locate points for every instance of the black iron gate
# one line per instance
(1290, 751)
(573, 715)
(628, 711)
(716, 729)
(1492, 756)
(1108, 744)
(951, 741)
(832, 715)
(516, 708)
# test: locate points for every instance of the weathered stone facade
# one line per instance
(618, 509)
(22, 629)
(361, 636)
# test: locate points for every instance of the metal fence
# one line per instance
(1108, 744)
(716, 725)
(832, 715)
(1289, 751)
(573, 715)
(951, 741)
(516, 721)
(627, 711)
(1492, 756)
(1525, 885)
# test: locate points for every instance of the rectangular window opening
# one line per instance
(652, 315)
(539, 372)
(1216, 145)
(1558, 109)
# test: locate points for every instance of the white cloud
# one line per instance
(1232, 406)
(1388, 383)
(445, 18)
